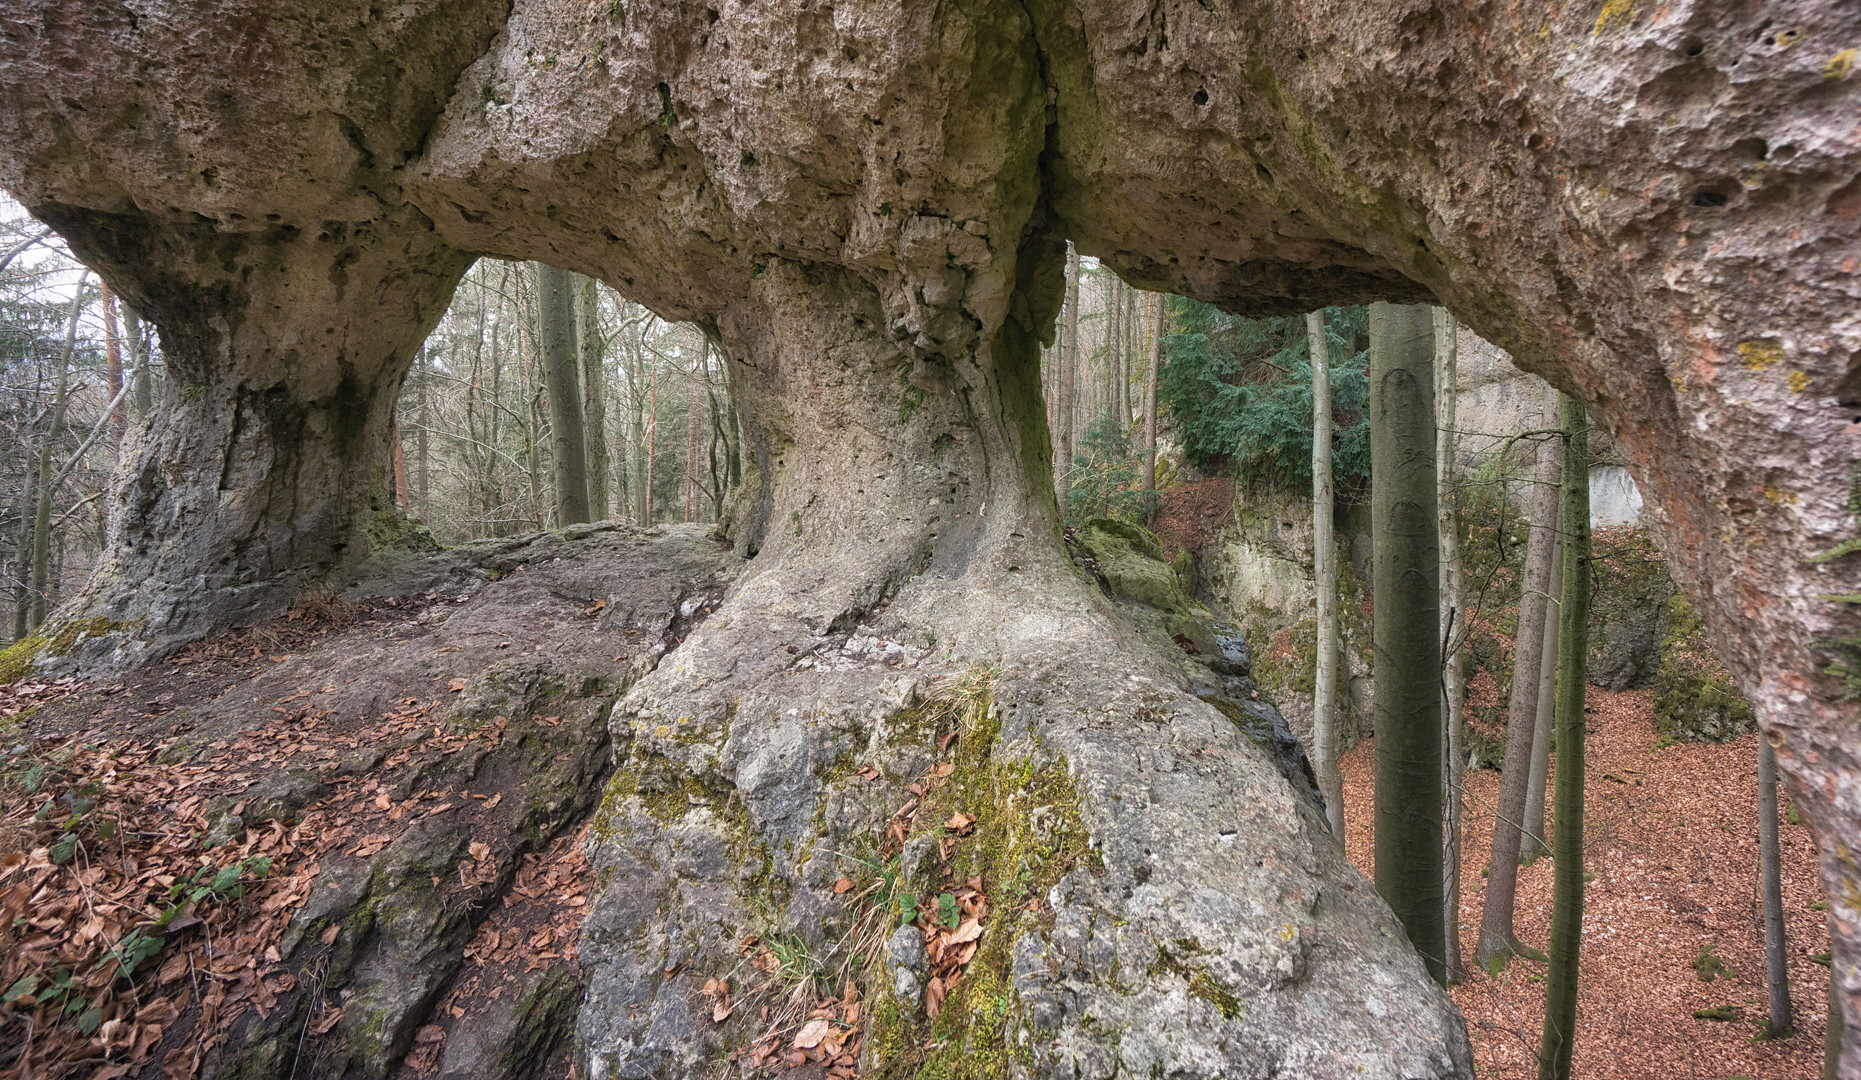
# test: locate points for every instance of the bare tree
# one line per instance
(1770, 870)
(556, 330)
(1453, 628)
(593, 348)
(1409, 799)
(1560, 994)
(1325, 570)
(1498, 939)
(1150, 391)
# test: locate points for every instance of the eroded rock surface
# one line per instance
(1655, 208)
(430, 756)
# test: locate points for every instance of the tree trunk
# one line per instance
(694, 409)
(1407, 700)
(1535, 842)
(555, 299)
(143, 391)
(1114, 349)
(1770, 869)
(423, 475)
(113, 373)
(1832, 1031)
(22, 556)
(1150, 391)
(1498, 939)
(652, 442)
(42, 510)
(402, 497)
(1133, 336)
(1064, 404)
(594, 393)
(1453, 622)
(1560, 994)
(1325, 570)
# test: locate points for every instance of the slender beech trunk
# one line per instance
(1114, 348)
(113, 372)
(424, 410)
(42, 511)
(1832, 1031)
(594, 393)
(652, 441)
(1560, 994)
(1133, 337)
(622, 453)
(22, 557)
(1535, 841)
(639, 391)
(556, 332)
(1453, 623)
(1150, 391)
(1325, 569)
(1409, 799)
(402, 494)
(1065, 393)
(1770, 869)
(1498, 938)
(143, 392)
(694, 404)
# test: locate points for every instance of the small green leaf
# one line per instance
(89, 1022)
(947, 912)
(21, 989)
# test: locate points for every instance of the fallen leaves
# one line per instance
(100, 902)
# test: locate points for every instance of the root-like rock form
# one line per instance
(1656, 209)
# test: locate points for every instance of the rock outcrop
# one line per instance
(1655, 208)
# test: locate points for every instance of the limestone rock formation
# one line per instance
(1656, 208)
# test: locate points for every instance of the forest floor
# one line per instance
(1673, 844)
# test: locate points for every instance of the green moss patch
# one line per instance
(1694, 699)
(1028, 833)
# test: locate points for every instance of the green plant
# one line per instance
(1240, 391)
(1103, 479)
(223, 883)
(1708, 966)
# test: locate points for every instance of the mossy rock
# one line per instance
(1131, 561)
(1289, 660)
(1694, 699)
(18, 659)
(1630, 591)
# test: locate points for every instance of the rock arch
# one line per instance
(1655, 208)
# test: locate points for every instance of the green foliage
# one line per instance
(1708, 966)
(1104, 478)
(1240, 391)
